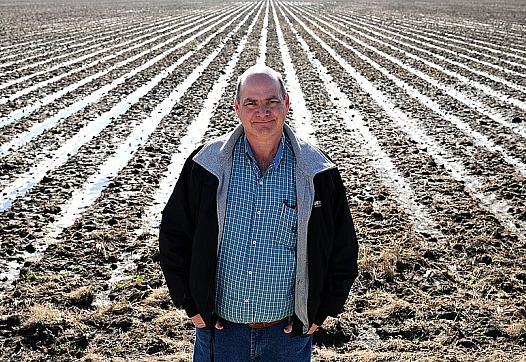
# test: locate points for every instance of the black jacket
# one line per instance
(189, 236)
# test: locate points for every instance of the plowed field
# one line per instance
(422, 106)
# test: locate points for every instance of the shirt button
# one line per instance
(253, 242)
(261, 182)
(258, 212)
(246, 300)
(250, 273)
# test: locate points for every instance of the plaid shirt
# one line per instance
(257, 255)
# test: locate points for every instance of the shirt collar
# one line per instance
(277, 157)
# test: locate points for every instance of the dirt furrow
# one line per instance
(491, 37)
(55, 53)
(462, 64)
(24, 78)
(31, 41)
(482, 161)
(458, 38)
(131, 49)
(406, 74)
(472, 49)
(69, 126)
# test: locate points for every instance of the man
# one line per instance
(257, 242)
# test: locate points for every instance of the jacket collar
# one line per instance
(217, 153)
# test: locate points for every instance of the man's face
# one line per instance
(262, 108)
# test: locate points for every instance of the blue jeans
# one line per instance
(240, 343)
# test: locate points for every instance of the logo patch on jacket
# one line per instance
(317, 203)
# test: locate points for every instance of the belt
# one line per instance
(266, 324)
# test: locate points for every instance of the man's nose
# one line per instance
(263, 110)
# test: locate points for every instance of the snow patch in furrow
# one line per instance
(58, 77)
(52, 121)
(30, 108)
(369, 144)
(70, 147)
(487, 200)
(301, 116)
(479, 138)
(195, 132)
(109, 34)
(86, 195)
(450, 90)
(262, 57)
(488, 90)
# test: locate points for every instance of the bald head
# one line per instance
(258, 71)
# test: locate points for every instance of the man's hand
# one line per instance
(311, 330)
(198, 322)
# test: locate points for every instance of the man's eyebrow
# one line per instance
(248, 99)
(267, 99)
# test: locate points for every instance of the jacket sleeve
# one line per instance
(175, 239)
(343, 261)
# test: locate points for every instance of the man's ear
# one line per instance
(287, 103)
(236, 106)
